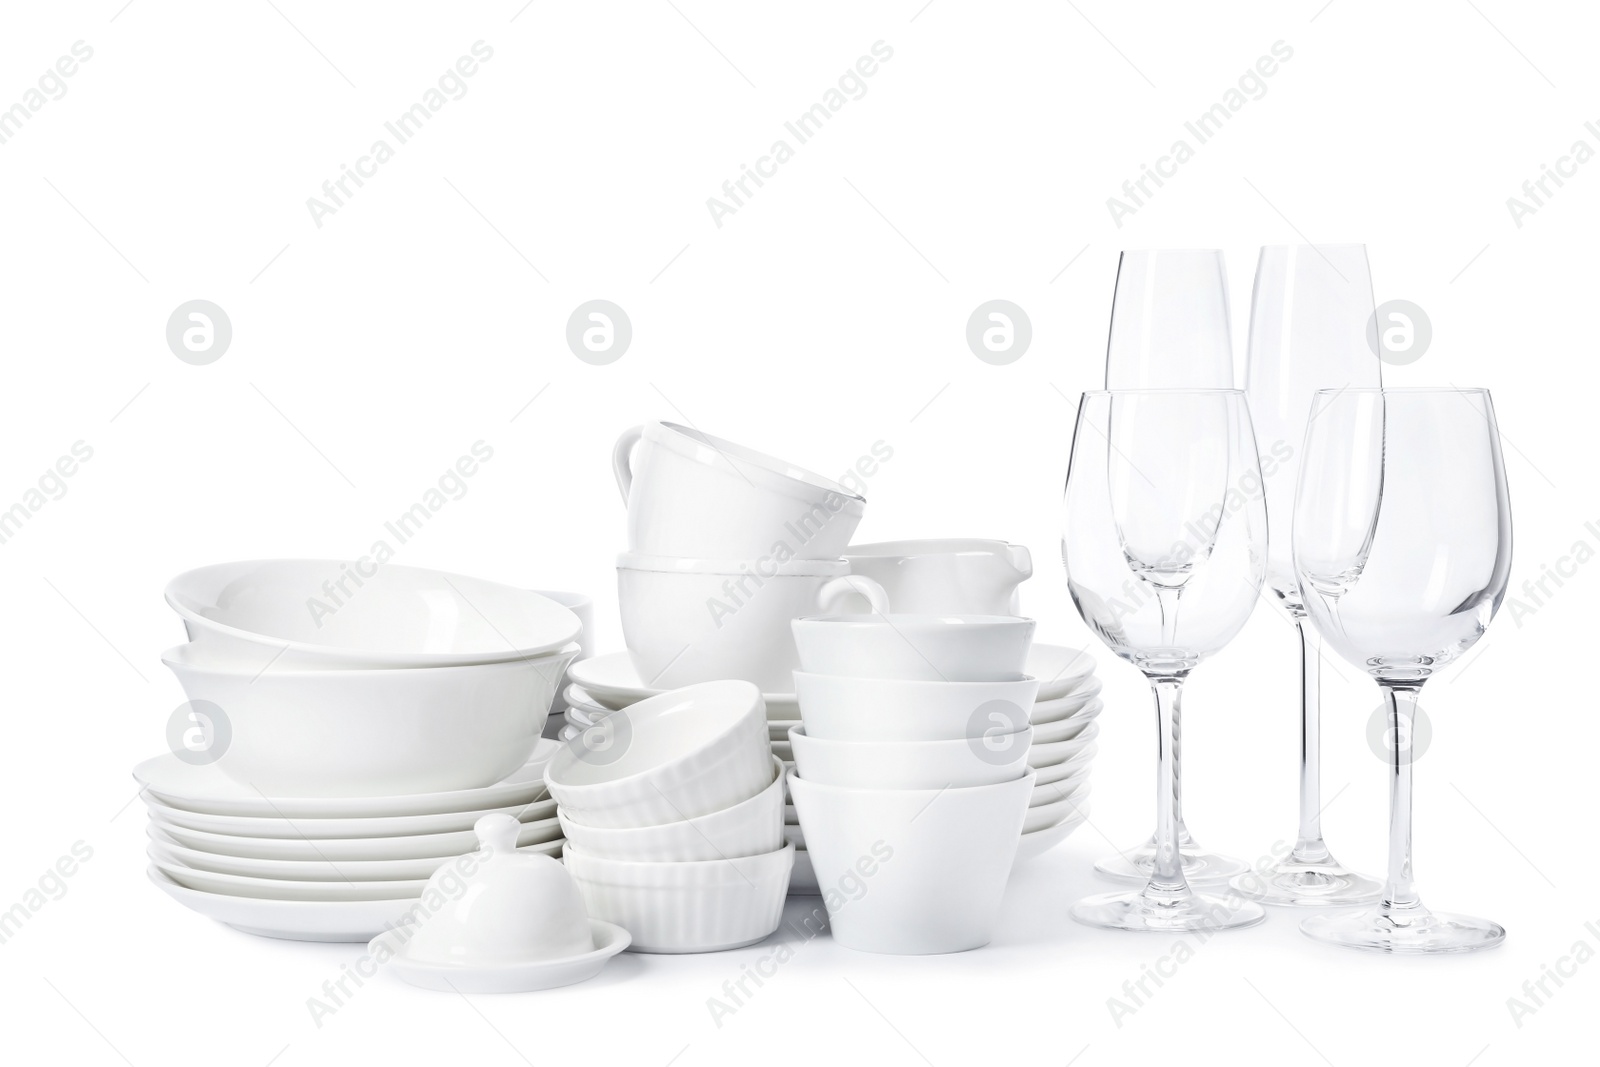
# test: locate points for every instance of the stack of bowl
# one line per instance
(673, 814)
(912, 780)
(354, 720)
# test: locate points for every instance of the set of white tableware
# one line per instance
(912, 780)
(673, 811)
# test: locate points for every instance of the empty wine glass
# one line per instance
(1402, 545)
(1165, 556)
(1310, 314)
(1170, 330)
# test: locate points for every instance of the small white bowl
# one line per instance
(940, 648)
(1046, 733)
(680, 755)
(968, 761)
(842, 708)
(1060, 751)
(749, 828)
(703, 906)
(912, 871)
(373, 732)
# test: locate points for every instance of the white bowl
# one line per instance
(950, 575)
(315, 613)
(749, 828)
(703, 906)
(912, 871)
(698, 620)
(691, 494)
(942, 648)
(1048, 755)
(1045, 733)
(969, 761)
(842, 708)
(677, 756)
(373, 732)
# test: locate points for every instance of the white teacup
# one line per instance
(695, 620)
(947, 575)
(693, 495)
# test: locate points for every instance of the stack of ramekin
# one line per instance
(673, 812)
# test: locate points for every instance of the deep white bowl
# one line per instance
(943, 648)
(683, 754)
(703, 906)
(373, 732)
(968, 761)
(843, 708)
(318, 613)
(912, 871)
(749, 828)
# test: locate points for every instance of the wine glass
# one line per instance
(1169, 321)
(1165, 556)
(1402, 545)
(1170, 329)
(1310, 315)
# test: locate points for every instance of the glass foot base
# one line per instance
(1405, 931)
(1308, 884)
(1141, 911)
(1201, 866)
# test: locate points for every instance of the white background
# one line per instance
(827, 314)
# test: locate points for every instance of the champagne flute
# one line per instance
(1310, 315)
(1402, 545)
(1165, 557)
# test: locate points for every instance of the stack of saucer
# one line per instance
(1063, 747)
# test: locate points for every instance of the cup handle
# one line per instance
(1021, 559)
(832, 591)
(621, 459)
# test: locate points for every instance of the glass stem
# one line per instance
(1166, 879)
(1310, 848)
(1401, 702)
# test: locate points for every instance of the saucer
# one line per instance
(1059, 669)
(519, 977)
(613, 681)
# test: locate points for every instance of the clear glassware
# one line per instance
(1402, 546)
(1310, 314)
(1165, 556)
(1170, 329)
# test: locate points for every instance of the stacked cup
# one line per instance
(912, 780)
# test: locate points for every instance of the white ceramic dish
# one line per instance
(934, 862)
(319, 613)
(1046, 815)
(1080, 762)
(940, 648)
(1044, 711)
(749, 828)
(677, 756)
(1059, 669)
(523, 976)
(945, 576)
(168, 849)
(612, 681)
(695, 620)
(842, 708)
(1059, 790)
(705, 906)
(1066, 729)
(282, 889)
(203, 788)
(691, 494)
(294, 920)
(318, 829)
(1060, 751)
(336, 849)
(1041, 841)
(967, 761)
(374, 733)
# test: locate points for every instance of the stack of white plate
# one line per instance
(321, 869)
(1063, 747)
(608, 683)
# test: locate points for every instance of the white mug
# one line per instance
(690, 620)
(945, 576)
(693, 495)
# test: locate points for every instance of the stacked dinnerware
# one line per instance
(673, 814)
(912, 780)
(358, 718)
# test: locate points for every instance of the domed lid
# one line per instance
(506, 907)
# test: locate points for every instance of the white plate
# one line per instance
(613, 681)
(521, 977)
(168, 849)
(1074, 788)
(317, 829)
(295, 920)
(1068, 728)
(1049, 814)
(803, 877)
(1043, 840)
(206, 789)
(1044, 711)
(333, 849)
(282, 889)
(1059, 669)
(1059, 751)
(783, 750)
(1066, 768)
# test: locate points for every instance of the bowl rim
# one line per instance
(751, 801)
(181, 658)
(1027, 776)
